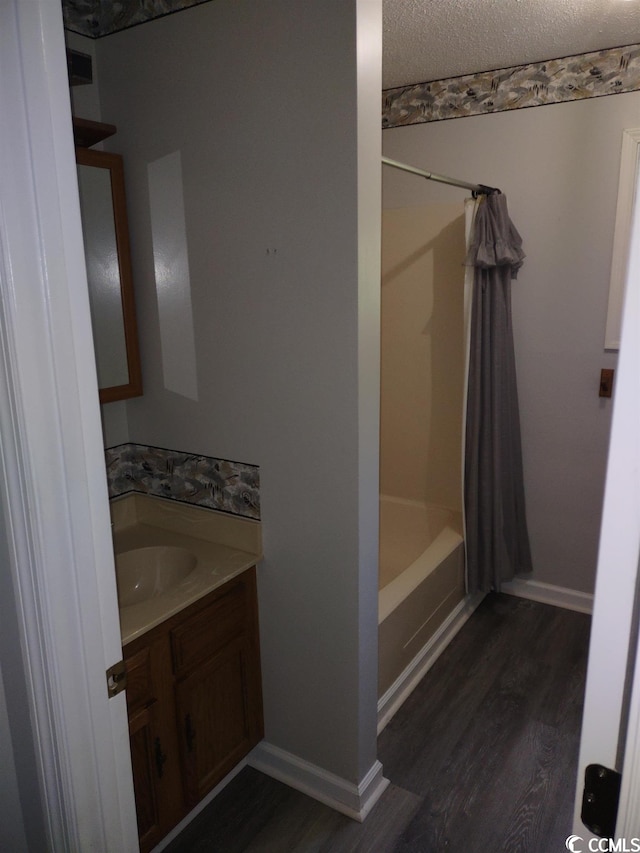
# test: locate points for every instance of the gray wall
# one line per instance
(558, 166)
(261, 101)
(12, 831)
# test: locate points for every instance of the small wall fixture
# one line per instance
(606, 383)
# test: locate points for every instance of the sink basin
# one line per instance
(144, 573)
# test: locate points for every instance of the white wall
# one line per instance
(261, 102)
(558, 166)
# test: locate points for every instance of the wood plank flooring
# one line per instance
(481, 757)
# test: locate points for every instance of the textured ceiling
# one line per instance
(434, 39)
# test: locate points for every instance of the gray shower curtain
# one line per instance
(497, 539)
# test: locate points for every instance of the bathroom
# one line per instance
(560, 302)
(300, 427)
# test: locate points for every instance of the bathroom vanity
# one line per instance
(191, 652)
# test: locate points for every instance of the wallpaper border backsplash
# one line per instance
(219, 484)
(572, 78)
(96, 18)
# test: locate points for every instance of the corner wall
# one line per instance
(262, 102)
(558, 166)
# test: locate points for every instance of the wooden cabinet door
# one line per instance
(217, 717)
(154, 750)
(194, 697)
(145, 755)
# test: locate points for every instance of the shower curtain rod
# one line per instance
(477, 189)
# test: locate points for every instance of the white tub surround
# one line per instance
(421, 578)
(404, 685)
(414, 539)
(409, 627)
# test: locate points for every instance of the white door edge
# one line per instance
(622, 235)
(628, 823)
(54, 491)
(619, 550)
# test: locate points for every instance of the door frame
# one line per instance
(611, 718)
(53, 494)
(628, 421)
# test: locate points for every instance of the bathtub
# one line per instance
(421, 580)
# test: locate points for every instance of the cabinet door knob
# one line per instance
(189, 732)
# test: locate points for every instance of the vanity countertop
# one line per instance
(223, 546)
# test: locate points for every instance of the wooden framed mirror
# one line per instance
(106, 241)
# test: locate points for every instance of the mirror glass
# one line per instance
(106, 242)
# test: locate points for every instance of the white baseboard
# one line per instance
(409, 679)
(355, 801)
(546, 593)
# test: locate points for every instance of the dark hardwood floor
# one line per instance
(481, 757)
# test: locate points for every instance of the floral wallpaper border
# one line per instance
(572, 78)
(95, 18)
(232, 487)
